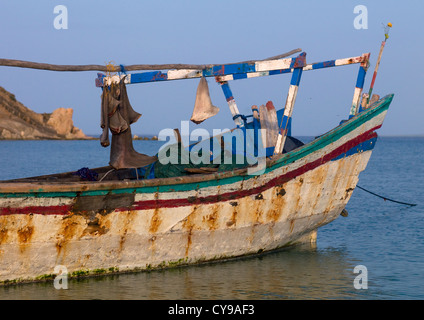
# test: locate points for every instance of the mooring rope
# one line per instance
(385, 198)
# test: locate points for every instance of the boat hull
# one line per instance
(137, 225)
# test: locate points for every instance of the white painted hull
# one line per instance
(144, 239)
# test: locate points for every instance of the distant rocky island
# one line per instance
(136, 137)
(18, 122)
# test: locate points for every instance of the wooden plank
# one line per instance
(288, 110)
(214, 71)
(307, 67)
(235, 71)
(269, 122)
(359, 84)
(232, 104)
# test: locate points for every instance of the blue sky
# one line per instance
(205, 32)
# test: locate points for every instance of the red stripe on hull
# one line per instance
(51, 210)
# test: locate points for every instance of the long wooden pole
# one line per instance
(383, 43)
(96, 67)
(376, 69)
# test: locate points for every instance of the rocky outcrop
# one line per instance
(17, 122)
(61, 121)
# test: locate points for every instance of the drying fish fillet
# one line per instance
(203, 108)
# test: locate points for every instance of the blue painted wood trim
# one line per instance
(324, 64)
(238, 71)
(149, 77)
(360, 84)
(280, 115)
(361, 77)
(229, 69)
(364, 146)
(221, 70)
(297, 74)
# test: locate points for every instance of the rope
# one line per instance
(384, 198)
(110, 68)
(123, 69)
(106, 174)
(110, 71)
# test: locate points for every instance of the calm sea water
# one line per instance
(385, 237)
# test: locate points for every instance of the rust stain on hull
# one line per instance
(155, 222)
(68, 231)
(25, 233)
(233, 220)
(3, 235)
(95, 228)
(127, 224)
(188, 226)
(291, 225)
(278, 204)
(188, 242)
(212, 218)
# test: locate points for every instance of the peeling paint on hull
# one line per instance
(140, 227)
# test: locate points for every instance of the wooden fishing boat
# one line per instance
(121, 223)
